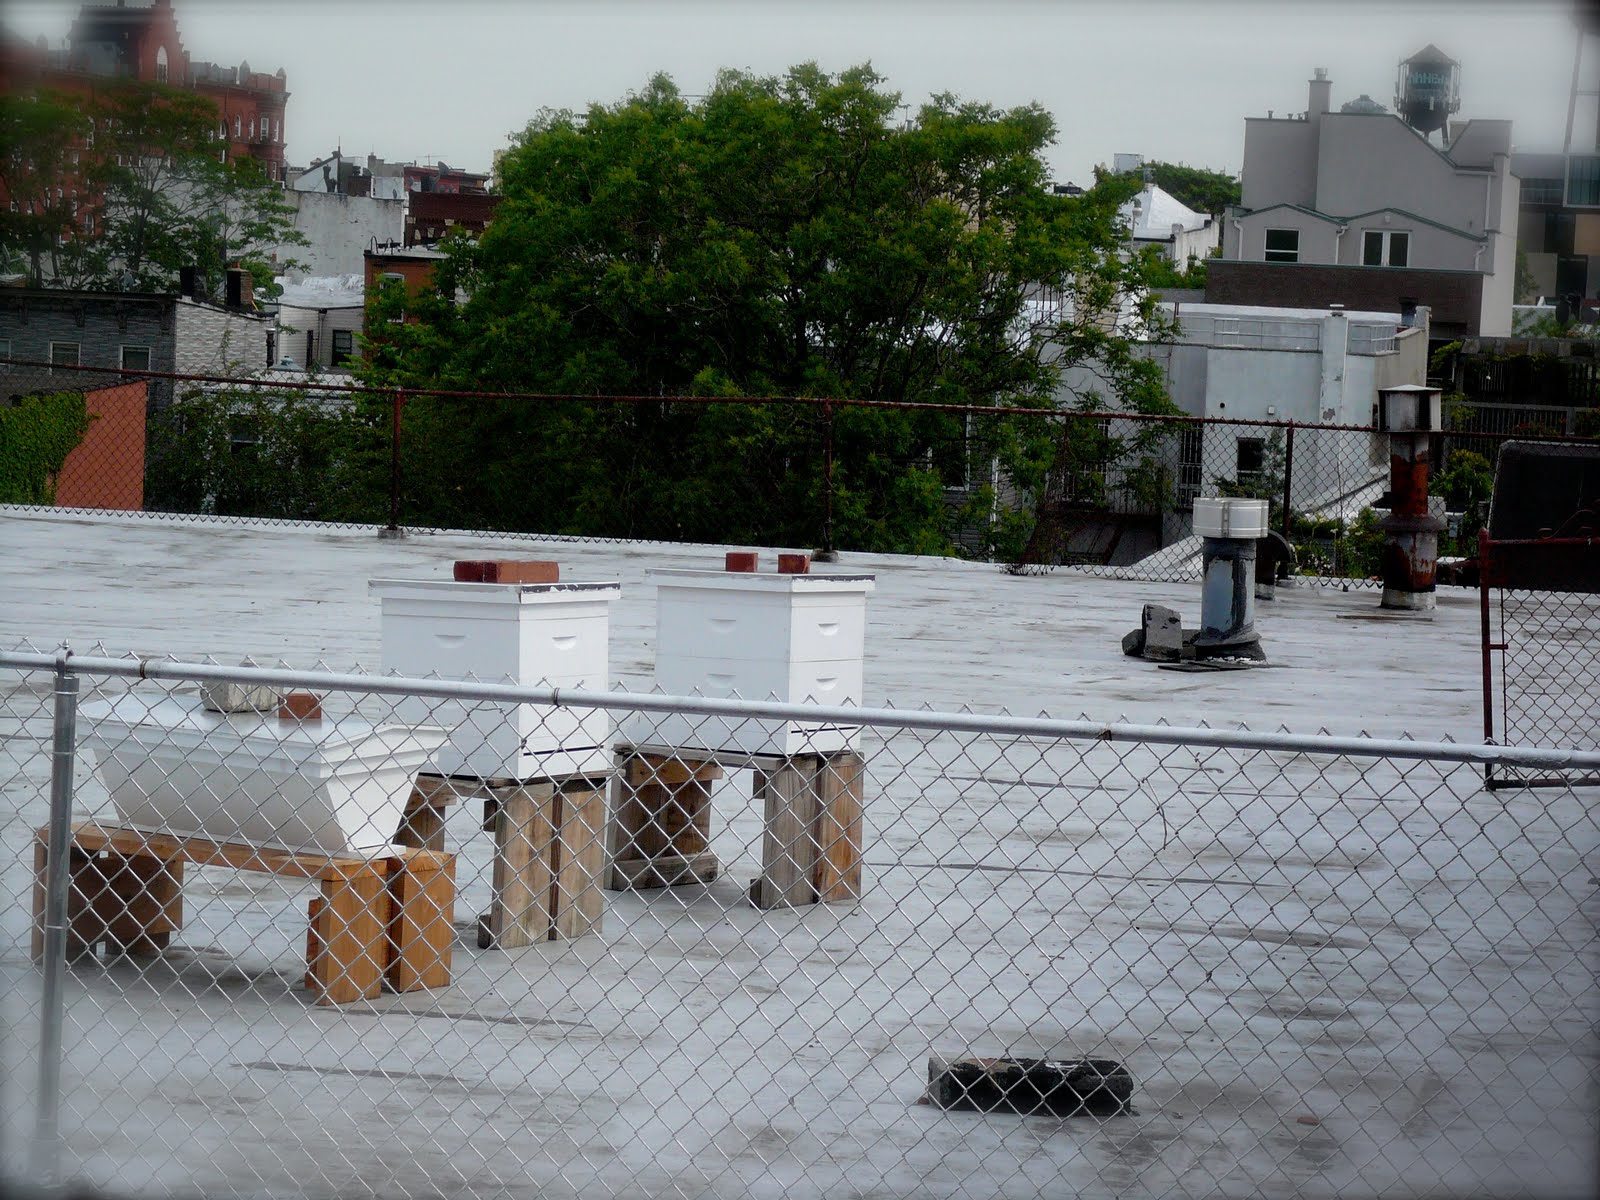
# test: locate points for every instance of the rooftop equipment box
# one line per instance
(538, 635)
(792, 638)
(324, 786)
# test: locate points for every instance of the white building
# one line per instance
(318, 320)
(1366, 191)
(1160, 219)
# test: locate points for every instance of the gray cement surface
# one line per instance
(1328, 976)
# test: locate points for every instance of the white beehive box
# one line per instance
(331, 787)
(536, 634)
(795, 638)
(1230, 518)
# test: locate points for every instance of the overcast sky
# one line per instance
(451, 79)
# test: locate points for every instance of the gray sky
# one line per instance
(1171, 80)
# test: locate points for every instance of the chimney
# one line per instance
(186, 281)
(241, 289)
(1321, 94)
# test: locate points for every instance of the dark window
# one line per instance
(1583, 180)
(64, 354)
(1252, 458)
(344, 346)
(136, 358)
(1541, 191)
(1283, 245)
(1383, 249)
(1191, 443)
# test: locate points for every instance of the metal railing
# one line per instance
(1318, 966)
(1034, 488)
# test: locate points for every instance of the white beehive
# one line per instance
(536, 634)
(795, 638)
(331, 787)
(1230, 517)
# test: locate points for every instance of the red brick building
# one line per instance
(141, 42)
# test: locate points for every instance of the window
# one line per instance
(136, 358)
(252, 129)
(1252, 459)
(63, 354)
(238, 125)
(1380, 248)
(1283, 245)
(1191, 440)
(161, 64)
(5, 347)
(343, 347)
(1583, 180)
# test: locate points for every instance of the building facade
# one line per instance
(1380, 210)
(132, 42)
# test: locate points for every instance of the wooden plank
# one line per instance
(422, 893)
(788, 842)
(579, 904)
(839, 817)
(139, 902)
(352, 934)
(519, 911)
(41, 864)
(660, 828)
(204, 852)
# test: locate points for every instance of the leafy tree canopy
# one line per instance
(799, 235)
(122, 188)
(1203, 190)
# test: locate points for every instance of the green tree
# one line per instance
(1203, 190)
(787, 236)
(154, 194)
(39, 134)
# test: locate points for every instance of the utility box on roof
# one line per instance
(792, 638)
(539, 635)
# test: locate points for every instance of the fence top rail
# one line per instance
(63, 662)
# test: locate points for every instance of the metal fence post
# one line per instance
(1288, 481)
(392, 530)
(826, 552)
(47, 1126)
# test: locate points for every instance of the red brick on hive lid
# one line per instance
(507, 570)
(300, 706)
(794, 564)
(742, 561)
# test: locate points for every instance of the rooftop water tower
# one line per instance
(1428, 90)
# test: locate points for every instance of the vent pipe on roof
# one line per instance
(1321, 95)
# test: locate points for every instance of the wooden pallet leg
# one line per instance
(422, 823)
(660, 829)
(789, 848)
(349, 937)
(140, 902)
(519, 913)
(580, 860)
(839, 817)
(422, 895)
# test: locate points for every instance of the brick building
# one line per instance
(141, 42)
(132, 331)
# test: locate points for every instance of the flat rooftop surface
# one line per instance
(1327, 975)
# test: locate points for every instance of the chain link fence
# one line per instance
(916, 953)
(1100, 492)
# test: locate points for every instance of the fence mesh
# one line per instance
(1101, 493)
(1322, 973)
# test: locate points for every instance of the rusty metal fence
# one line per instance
(1200, 962)
(1098, 492)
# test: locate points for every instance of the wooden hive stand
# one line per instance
(381, 919)
(660, 827)
(549, 851)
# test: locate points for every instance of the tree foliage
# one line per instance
(1203, 190)
(122, 188)
(790, 236)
